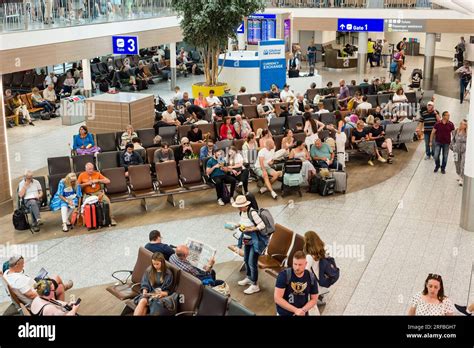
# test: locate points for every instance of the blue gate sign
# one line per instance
(241, 28)
(360, 24)
(125, 44)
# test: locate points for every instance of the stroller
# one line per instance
(415, 78)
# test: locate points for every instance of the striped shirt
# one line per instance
(428, 119)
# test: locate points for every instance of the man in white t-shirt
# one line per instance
(286, 95)
(264, 170)
(365, 105)
(51, 78)
(30, 191)
(169, 116)
(212, 100)
(23, 285)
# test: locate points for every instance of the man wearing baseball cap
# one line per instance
(429, 117)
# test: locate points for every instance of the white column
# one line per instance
(86, 73)
(173, 64)
(430, 48)
(467, 206)
(241, 41)
(362, 52)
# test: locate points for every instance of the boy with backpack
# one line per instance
(296, 289)
(255, 226)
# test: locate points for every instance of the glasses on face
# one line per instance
(185, 143)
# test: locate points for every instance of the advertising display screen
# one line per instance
(261, 27)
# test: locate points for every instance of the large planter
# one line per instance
(218, 89)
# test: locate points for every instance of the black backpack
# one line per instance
(330, 270)
(20, 220)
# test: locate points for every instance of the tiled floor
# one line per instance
(391, 235)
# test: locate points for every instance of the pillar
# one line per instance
(241, 41)
(86, 73)
(362, 52)
(430, 47)
(467, 205)
(173, 64)
(6, 202)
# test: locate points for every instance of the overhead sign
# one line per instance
(262, 16)
(360, 24)
(241, 28)
(125, 44)
(398, 25)
(272, 64)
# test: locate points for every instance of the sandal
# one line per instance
(65, 228)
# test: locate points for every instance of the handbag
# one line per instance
(166, 306)
(224, 289)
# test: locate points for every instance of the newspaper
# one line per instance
(199, 253)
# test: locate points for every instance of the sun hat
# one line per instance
(240, 202)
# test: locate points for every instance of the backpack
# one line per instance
(330, 270)
(394, 67)
(267, 219)
(288, 276)
(20, 220)
(225, 194)
(104, 86)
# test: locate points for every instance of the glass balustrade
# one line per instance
(352, 3)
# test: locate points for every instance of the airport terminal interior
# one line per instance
(347, 121)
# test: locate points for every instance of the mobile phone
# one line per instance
(77, 302)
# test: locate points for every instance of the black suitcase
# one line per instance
(293, 166)
(141, 85)
(314, 184)
(102, 214)
(327, 186)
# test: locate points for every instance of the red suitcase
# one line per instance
(90, 218)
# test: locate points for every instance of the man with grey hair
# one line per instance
(91, 181)
(31, 193)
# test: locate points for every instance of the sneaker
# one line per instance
(244, 282)
(220, 202)
(65, 228)
(427, 157)
(113, 222)
(232, 200)
(381, 159)
(443, 171)
(370, 163)
(251, 289)
(436, 170)
(39, 222)
(31, 123)
(240, 184)
(35, 228)
(263, 189)
(274, 195)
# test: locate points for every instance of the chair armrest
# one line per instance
(186, 313)
(122, 271)
(273, 255)
(134, 287)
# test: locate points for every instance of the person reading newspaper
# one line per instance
(207, 275)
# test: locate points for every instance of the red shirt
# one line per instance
(443, 132)
(225, 130)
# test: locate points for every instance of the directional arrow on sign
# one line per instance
(342, 26)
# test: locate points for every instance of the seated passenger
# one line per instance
(212, 100)
(79, 86)
(321, 109)
(137, 144)
(299, 105)
(156, 283)
(265, 109)
(242, 127)
(49, 94)
(67, 199)
(45, 303)
(23, 285)
(399, 96)
(185, 150)
(328, 92)
(227, 131)
(156, 246)
(323, 155)
(311, 129)
(201, 101)
(207, 275)
(377, 134)
(169, 116)
(249, 149)
(301, 152)
(364, 105)
(264, 170)
(185, 99)
(360, 138)
(20, 109)
(236, 108)
(127, 136)
(195, 134)
(129, 157)
(294, 300)
(197, 113)
(83, 143)
(91, 182)
(39, 102)
(30, 191)
(288, 142)
(68, 84)
(208, 150)
(235, 163)
(163, 154)
(286, 95)
(219, 173)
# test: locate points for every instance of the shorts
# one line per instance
(270, 171)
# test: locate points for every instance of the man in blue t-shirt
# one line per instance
(298, 293)
(155, 245)
(217, 170)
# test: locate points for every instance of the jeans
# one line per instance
(244, 177)
(437, 151)
(220, 181)
(464, 84)
(33, 206)
(385, 60)
(251, 263)
(429, 150)
(45, 105)
(370, 59)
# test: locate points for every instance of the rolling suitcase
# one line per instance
(326, 186)
(90, 217)
(103, 214)
(341, 181)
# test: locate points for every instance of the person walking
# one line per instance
(465, 76)
(442, 133)
(385, 52)
(458, 146)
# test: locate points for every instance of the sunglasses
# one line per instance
(434, 276)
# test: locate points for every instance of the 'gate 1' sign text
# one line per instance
(360, 24)
(125, 44)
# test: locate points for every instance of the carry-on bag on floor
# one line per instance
(292, 180)
(341, 181)
(326, 186)
(90, 217)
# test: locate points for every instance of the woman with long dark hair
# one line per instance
(156, 283)
(432, 300)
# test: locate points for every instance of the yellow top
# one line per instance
(370, 47)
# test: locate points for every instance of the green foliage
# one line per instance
(208, 24)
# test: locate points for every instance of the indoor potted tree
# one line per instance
(208, 25)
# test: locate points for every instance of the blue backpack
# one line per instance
(394, 67)
(329, 270)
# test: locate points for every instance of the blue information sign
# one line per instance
(360, 24)
(125, 44)
(241, 28)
